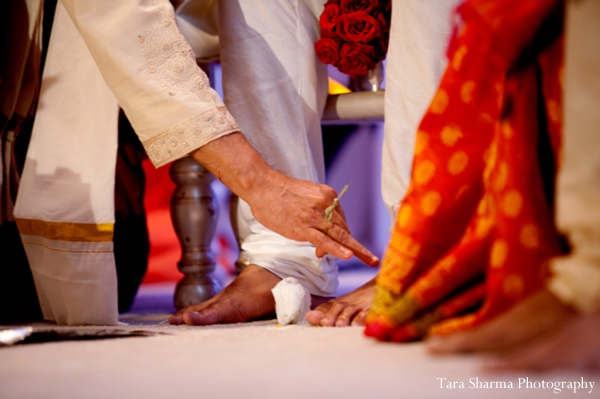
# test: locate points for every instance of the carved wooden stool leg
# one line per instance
(194, 211)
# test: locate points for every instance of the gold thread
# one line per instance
(64, 231)
(330, 208)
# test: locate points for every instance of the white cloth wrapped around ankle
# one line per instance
(292, 301)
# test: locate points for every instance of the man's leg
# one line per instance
(276, 89)
(419, 36)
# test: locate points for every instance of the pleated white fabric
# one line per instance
(276, 89)
(576, 279)
(416, 60)
(102, 54)
(65, 205)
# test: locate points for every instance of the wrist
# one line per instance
(238, 165)
(254, 178)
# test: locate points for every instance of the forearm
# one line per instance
(293, 208)
(233, 161)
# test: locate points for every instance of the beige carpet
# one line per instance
(253, 360)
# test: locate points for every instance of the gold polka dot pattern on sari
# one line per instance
(450, 135)
(458, 163)
(430, 202)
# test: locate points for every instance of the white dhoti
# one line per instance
(65, 207)
(576, 279)
(416, 60)
(276, 89)
(102, 54)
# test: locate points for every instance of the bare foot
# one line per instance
(349, 309)
(576, 346)
(248, 297)
(530, 319)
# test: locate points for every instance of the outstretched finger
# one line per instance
(339, 219)
(343, 237)
(326, 245)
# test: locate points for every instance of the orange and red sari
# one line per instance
(475, 230)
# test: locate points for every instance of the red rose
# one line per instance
(357, 27)
(328, 50)
(384, 36)
(384, 21)
(383, 43)
(328, 20)
(358, 5)
(336, 2)
(387, 6)
(357, 59)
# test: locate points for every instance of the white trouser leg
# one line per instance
(416, 59)
(576, 277)
(276, 90)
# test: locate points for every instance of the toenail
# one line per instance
(194, 317)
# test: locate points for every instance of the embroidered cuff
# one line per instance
(190, 135)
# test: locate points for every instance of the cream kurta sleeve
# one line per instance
(152, 71)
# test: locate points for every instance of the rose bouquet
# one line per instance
(354, 34)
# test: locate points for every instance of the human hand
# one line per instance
(293, 208)
(296, 210)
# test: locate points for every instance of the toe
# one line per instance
(359, 319)
(314, 317)
(331, 317)
(346, 317)
(206, 316)
(190, 318)
(176, 319)
(197, 307)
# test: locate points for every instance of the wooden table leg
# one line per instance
(194, 210)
